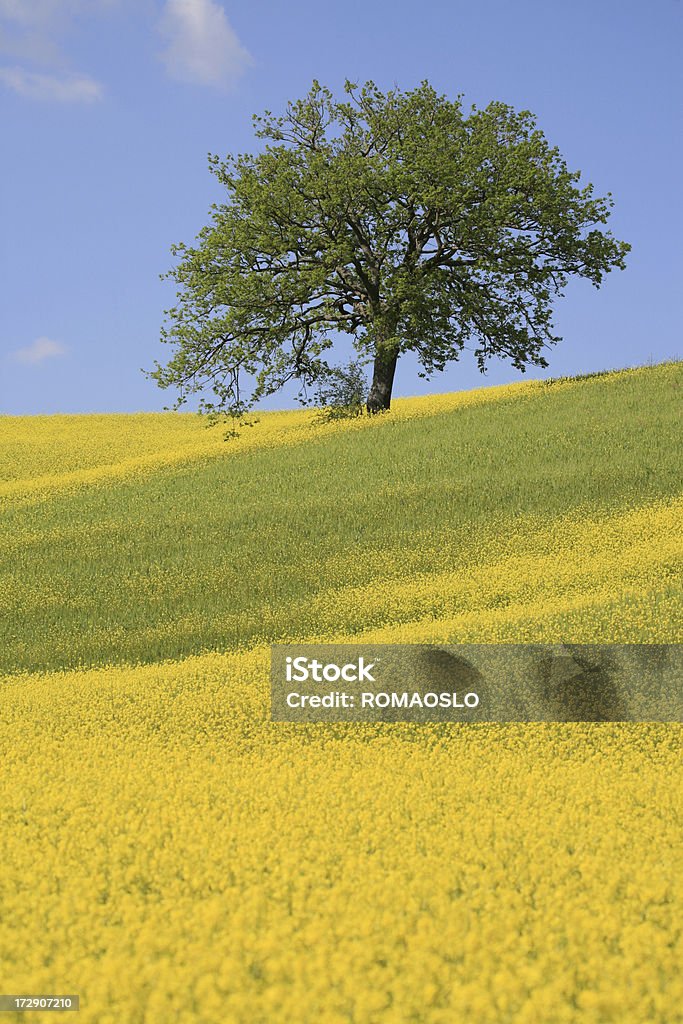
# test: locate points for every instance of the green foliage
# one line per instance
(399, 219)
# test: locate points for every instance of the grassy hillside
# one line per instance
(172, 855)
(333, 531)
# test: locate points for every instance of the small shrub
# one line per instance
(343, 392)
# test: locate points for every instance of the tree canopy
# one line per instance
(399, 219)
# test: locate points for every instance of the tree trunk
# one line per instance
(379, 397)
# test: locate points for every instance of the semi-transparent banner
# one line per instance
(477, 683)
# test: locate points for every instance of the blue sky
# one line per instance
(109, 108)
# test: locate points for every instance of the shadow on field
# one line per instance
(580, 685)
(434, 670)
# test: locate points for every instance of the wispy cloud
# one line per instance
(65, 88)
(201, 45)
(38, 351)
(30, 33)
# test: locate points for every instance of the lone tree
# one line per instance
(398, 219)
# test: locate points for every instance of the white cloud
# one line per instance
(64, 88)
(30, 33)
(201, 45)
(38, 351)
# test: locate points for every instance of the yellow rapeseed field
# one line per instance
(171, 855)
